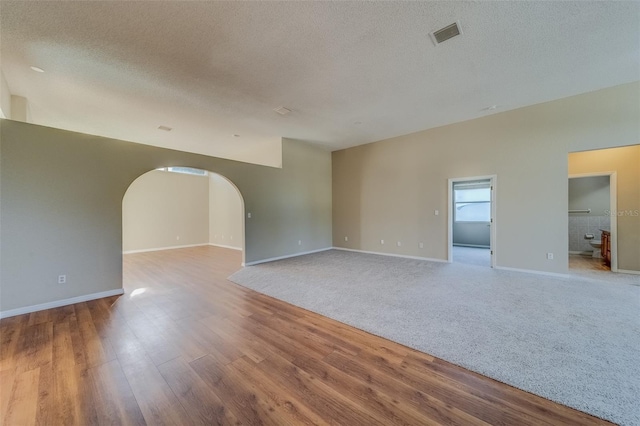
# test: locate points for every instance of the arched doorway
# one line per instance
(178, 207)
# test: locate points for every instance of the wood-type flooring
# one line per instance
(185, 346)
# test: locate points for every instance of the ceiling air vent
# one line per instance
(446, 33)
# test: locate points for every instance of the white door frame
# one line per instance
(493, 179)
(613, 211)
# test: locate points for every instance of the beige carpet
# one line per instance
(472, 256)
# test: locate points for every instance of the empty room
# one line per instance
(283, 213)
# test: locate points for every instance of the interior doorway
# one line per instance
(592, 226)
(471, 220)
(182, 207)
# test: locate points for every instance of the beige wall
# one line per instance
(625, 161)
(390, 189)
(5, 97)
(225, 213)
(164, 209)
(61, 207)
(589, 193)
(20, 110)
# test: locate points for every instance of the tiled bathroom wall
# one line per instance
(579, 225)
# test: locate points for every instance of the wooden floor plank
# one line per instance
(389, 409)
(7, 381)
(66, 407)
(35, 347)
(153, 336)
(199, 400)
(58, 395)
(185, 346)
(40, 317)
(22, 406)
(9, 338)
(63, 356)
(97, 349)
(331, 404)
(427, 397)
(46, 411)
(238, 393)
(282, 395)
(117, 402)
(157, 401)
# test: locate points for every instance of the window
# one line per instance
(472, 202)
(185, 170)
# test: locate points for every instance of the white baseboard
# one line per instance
(472, 245)
(227, 247)
(58, 303)
(285, 257)
(533, 271)
(164, 248)
(628, 271)
(392, 255)
(528, 271)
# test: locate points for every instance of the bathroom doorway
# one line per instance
(472, 220)
(592, 226)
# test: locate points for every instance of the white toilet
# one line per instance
(596, 244)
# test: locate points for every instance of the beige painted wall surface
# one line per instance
(165, 209)
(20, 110)
(626, 162)
(61, 207)
(5, 97)
(225, 213)
(390, 189)
(589, 193)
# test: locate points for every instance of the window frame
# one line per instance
(456, 203)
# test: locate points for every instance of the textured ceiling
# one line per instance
(351, 72)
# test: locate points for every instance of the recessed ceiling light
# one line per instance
(282, 110)
(36, 69)
(491, 108)
(165, 128)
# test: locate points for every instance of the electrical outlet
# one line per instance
(248, 215)
(346, 238)
(421, 245)
(177, 237)
(62, 279)
(436, 212)
(231, 237)
(550, 256)
(399, 243)
(381, 241)
(299, 242)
